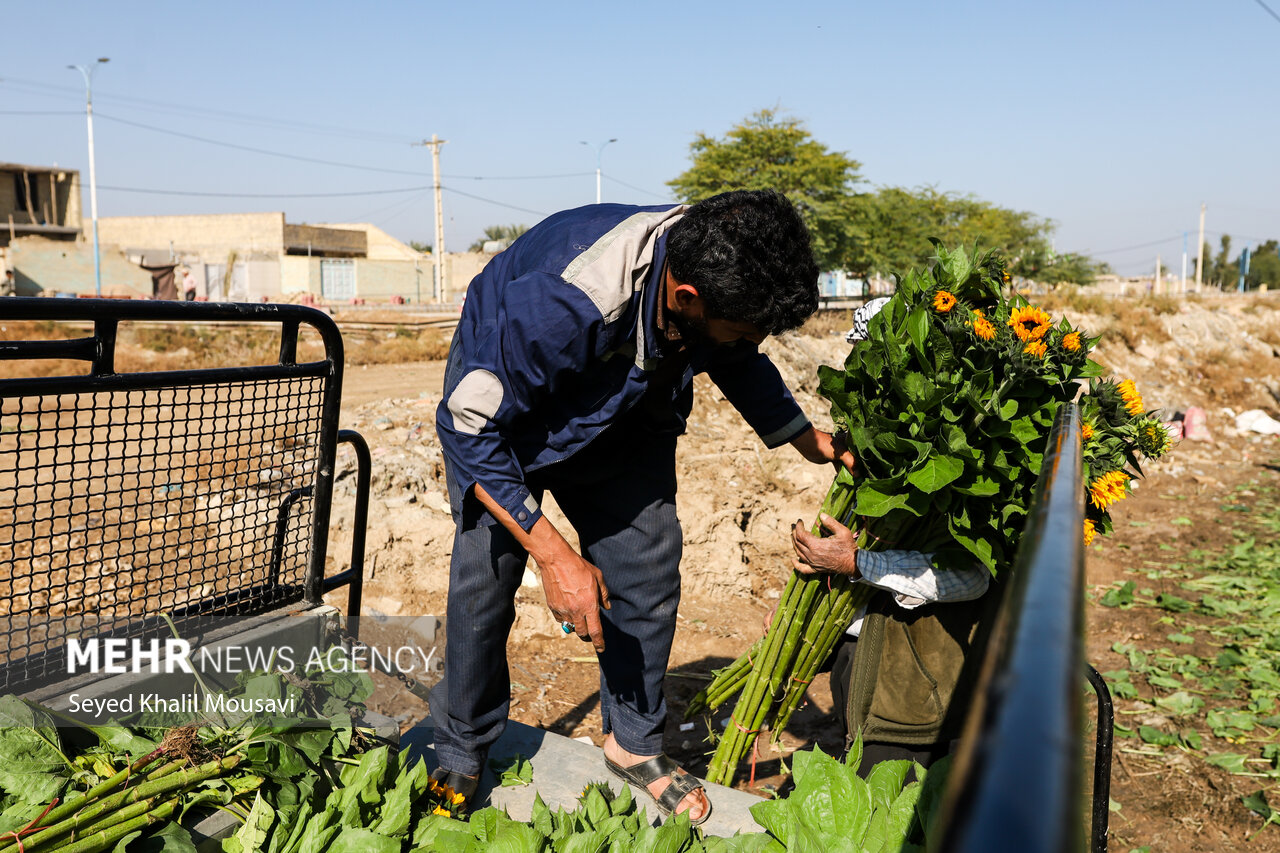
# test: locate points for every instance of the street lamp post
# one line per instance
(599, 151)
(87, 73)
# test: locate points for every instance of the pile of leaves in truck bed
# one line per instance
(321, 783)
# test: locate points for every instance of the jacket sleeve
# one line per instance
(499, 370)
(755, 388)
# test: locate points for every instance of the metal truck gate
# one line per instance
(202, 494)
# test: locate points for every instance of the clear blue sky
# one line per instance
(1114, 118)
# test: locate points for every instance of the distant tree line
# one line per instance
(1220, 270)
(868, 232)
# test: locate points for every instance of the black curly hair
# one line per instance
(748, 254)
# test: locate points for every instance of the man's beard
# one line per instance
(693, 330)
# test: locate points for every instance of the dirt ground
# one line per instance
(737, 499)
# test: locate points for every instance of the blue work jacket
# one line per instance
(558, 338)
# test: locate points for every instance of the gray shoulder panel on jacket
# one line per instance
(617, 265)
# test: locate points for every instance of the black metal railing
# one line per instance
(201, 494)
(1016, 780)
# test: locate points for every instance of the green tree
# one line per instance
(771, 151)
(863, 233)
(498, 232)
(425, 248)
(1223, 272)
(1264, 266)
(1048, 267)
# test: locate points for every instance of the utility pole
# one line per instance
(1155, 288)
(1184, 262)
(87, 73)
(441, 289)
(599, 151)
(1244, 267)
(1200, 251)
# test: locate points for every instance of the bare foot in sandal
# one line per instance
(694, 804)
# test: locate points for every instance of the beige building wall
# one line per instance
(460, 268)
(382, 246)
(210, 235)
(299, 274)
(378, 281)
(264, 281)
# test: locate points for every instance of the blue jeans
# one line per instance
(619, 495)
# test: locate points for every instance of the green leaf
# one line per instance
(885, 782)
(1156, 737)
(169, 838)
(875, 504)
(1173, 603)
(252, 835)
(361, 840)
(1232, 762)
(918, 328)
(33, 768)
(1119, 596)
(936, 473)
(1180, 704)
(958, 267)
(512, 771)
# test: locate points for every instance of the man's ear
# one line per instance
(687, 296)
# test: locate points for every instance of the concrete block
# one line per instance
(562, 767)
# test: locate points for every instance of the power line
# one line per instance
(250, 148)
(150, 191)
(186, 109)
(516, 177)
(1268, 9)
(1138, 246)
(41, 112)
(323, 162)
(387, 209)
(637, 189)
(492, 201)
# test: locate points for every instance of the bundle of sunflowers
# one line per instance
(948, 405)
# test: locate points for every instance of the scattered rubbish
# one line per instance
(1256, 420)
(686, 727)
(1195, 426)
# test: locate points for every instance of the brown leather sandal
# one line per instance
(647, 772)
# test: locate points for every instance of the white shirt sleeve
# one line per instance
(913, 580)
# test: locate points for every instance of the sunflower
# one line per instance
(1108, 489)
(1086, 431)
(943, 301)
(982, 327)
(1029, 323)
(1071, 342)
(1132, 399)
(1153, 439)
(1036, 348)
(1090, 530)
(440, 810)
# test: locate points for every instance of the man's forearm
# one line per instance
(542, 541)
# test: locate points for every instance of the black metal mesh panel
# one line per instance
(117, 506)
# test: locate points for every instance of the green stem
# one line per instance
(57, 815)
(106, 839)
(782, 642)
(152, 787)
(120, 816)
